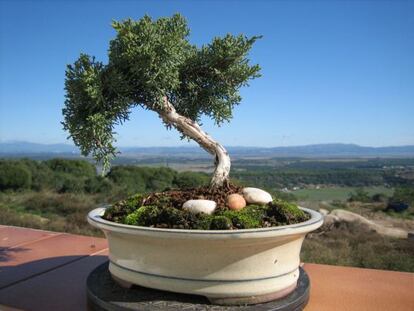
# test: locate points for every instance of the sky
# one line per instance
(332, 71)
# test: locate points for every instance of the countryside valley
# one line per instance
(56, 193)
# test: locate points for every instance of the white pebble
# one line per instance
(200, 206)
(256, 196)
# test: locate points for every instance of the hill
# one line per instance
(320, 150)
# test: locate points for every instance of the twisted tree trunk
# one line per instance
(191, 129)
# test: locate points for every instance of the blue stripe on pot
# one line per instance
(202, 280)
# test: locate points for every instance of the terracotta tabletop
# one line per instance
(43, 270)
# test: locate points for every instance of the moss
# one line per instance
(249, 217)
(134, 202)
(164, 201)
(283, 213)
(220, 223)
(121, 209)
(201, 221)
(171, 217)
(144, 216)
(167, 217)
(161, 213)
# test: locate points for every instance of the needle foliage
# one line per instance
(149, 60)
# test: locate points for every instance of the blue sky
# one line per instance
(333, 71)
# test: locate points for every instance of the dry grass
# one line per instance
(48, 211)
(352, 245)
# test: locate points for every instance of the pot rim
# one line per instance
(95, 219)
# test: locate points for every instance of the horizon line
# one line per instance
(225, 145)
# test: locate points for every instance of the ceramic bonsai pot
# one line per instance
(227, 266)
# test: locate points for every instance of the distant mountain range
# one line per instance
(320, 150)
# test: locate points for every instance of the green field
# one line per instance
(337, 193)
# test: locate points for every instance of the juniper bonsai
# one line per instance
(152, 64)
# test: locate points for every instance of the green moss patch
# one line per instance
(284, 213)
(251, 216)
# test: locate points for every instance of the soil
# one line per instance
(179, 196)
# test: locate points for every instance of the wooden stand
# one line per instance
(105, 294)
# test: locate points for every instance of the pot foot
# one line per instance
(251, 300)
(122, 283)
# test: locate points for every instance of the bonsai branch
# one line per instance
(192, 130)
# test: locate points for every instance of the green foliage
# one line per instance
(42, 175)
(148, 56)
(360, 195)
(77, 176)
(131, 179)
(74, 167)
(404, 194)
(14, 176)
(379, 198)
(98, 184)
(150, 60)
(334, 193)
(135, 179)
(190, 180)
(264, 176)
(161, 179)
(285, 196)
(68, 183)
(87, 115)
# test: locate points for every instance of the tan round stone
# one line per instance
(236, 202)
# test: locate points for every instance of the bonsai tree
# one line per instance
(152, 64)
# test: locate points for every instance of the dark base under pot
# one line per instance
(105, 294)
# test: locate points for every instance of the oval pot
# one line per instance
(227, 266)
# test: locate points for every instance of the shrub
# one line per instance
(77, 168)
(98, 184)
(42, 175)
(190, 180)
(14, 176)
(161, 179)
(129, 178)
(68, 183)
(360, 195)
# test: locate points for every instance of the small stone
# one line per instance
(256, 196)
(200, 206)
(235, 202)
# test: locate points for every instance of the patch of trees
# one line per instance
(74, 176)
(14, 176)
(77, 176)
(286, 177)
(135, 179)
(360, 195)
(403, 194)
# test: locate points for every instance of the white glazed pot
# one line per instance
(226, 266)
